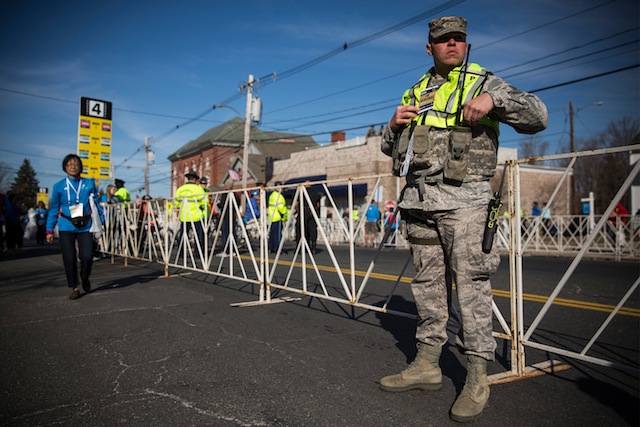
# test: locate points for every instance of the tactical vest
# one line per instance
(432, 154)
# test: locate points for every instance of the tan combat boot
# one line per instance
(423, 373)
(475, 394)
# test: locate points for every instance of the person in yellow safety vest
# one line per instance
(191, 201)
(277, 213)
(355, 214)
(122, 193)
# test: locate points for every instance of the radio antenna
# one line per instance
(463, 76)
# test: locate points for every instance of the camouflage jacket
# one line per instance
(523, 111)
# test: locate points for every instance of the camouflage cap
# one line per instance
(447, 24)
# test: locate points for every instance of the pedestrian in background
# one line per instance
(535, 209)
(227, 222)
(70, 210)
(13, 222)
(372, 222)
(123, 195)
(41, 222)
(109, 195)
(444, 139)
(308, 225)
(191, 200)
(253, 207)
(311, 226)
(277, 212)
(3, 203)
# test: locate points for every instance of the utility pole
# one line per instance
(247, 133)
(572, 148)
(146, 165)
(572, 188)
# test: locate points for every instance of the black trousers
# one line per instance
(41, 234)
(70, 257)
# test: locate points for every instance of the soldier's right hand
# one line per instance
(403, 115)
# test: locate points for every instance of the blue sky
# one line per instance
(164, 63)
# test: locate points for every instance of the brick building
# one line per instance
(340, 160)
(217, 155)
(291, 158)
(362, 157)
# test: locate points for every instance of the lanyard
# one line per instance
(69, 185)
(407, 160)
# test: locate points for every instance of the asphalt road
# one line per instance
(144, 350)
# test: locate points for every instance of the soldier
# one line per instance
(445, 143)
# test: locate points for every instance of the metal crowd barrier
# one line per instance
(151, 231)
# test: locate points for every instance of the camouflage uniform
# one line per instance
(444, 223)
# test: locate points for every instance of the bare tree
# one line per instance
(533, 146)
(605, 174)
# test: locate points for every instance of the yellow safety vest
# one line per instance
(277, 208)
(123, 194)
(194, 196)
(447, 97)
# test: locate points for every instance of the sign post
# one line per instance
(94, 138)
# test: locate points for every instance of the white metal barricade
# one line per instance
(230, 248)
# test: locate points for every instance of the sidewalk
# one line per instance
(144, 350)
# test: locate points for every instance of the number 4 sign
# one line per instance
(95, 108)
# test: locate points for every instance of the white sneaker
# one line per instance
(221, 255)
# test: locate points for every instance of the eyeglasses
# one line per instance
(458, 38)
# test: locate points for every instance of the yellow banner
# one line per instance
(43, 196)
(94, 138)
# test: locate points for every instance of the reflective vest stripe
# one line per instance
(443, 113)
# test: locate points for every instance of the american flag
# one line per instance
(235, 176)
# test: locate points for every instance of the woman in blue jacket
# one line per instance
(70, 208)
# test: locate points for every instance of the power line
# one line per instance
(607, 49)
(366, 39)
(530, 91)
(585, 78)
(510, 67)
(363, 40)
(272, 77)
(555, 21)
(504, 69)
(50, 98)
(573, 48)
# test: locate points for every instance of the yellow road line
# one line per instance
(583, 305)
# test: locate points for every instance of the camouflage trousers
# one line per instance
(446, 247)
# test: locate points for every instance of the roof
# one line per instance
(231, 133)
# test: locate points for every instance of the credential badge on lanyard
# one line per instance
(77, 210)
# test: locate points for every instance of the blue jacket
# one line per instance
(249, 215)
(63, 197)
(373, 213)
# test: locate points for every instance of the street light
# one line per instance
(229, 107)
(572, 146)
(572, 114)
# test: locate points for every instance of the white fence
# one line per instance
(151, 231)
